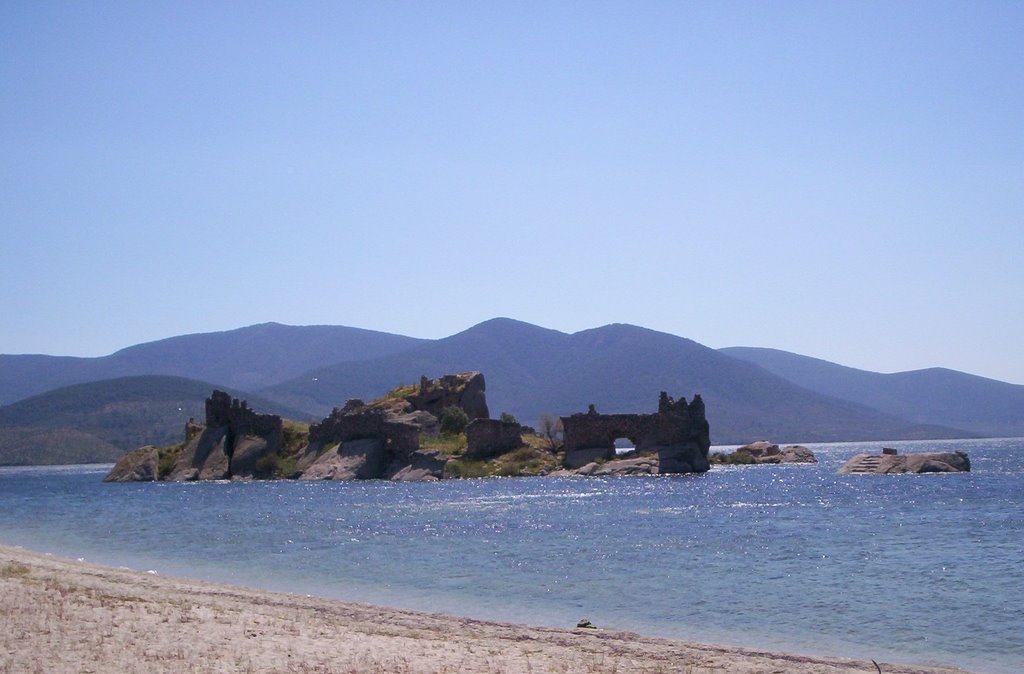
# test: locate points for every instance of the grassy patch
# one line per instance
(469, 468)
(295, 436)
(14, 570)
(166, 458)
(519, 462)
(452, 444)
(401, 391)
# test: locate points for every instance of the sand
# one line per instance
(59, 615)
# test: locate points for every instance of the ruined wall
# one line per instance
(675, 423)
(223, 410)
(466, 390)
(492, 437)
(354, 423)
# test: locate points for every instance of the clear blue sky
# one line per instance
(839, 179)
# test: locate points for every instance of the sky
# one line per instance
(839, 179)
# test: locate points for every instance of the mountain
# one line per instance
(247, 358)
(53, 447)
(619, 368)
(932, 396)
(530, 370)
(100, 421)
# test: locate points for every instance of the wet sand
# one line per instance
(62, 616)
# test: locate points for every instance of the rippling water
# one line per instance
(926, 569)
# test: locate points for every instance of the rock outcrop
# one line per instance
(675, 439)
(358, 442)
(381, 440)
(231, 445)
(465, 390)
(764, 452)
(890, 462)
(142, 465)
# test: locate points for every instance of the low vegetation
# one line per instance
(452, 444)
(732, 459)
(167, 457)
(534, 458)
(453, 420)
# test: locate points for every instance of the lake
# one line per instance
(912, 568)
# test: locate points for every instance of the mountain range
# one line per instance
(133, 396)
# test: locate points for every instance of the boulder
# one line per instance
(578, 458)
(247, 454)
(142, 465)
(919, 462)
(760, 449)
(797, 454)
(677, 459)
(764, 452)
(683, 458)
(641, 465)
(350, 460)
(425, 421)
(424, 465)
(466, 391)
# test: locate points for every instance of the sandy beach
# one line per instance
(58, 615)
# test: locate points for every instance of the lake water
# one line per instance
(922, 569)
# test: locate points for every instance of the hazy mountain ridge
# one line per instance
(619, 368)
(108, 418)
(931, 396)
(245, 358)
(530, 370)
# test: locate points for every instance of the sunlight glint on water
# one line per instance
(920, 569)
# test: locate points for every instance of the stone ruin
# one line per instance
(465, 390)
(234, 439)
(381, 439)
(678, 434)
(223, 410)
(486, 438)
(356, 421)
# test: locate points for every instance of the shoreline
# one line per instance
(59, 615)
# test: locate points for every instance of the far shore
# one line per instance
(62, 616)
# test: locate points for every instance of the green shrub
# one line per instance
(453, 420)
(295, 436)
(166, 458)
(507, 418)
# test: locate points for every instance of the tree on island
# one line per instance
(550, 427)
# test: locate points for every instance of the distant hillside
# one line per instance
(933, 396)
(247, 358)
(529, 370)
(619, 368)
(47, 446)
(105, 419)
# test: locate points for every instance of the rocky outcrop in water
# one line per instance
(891, 462)
(764, 452)
(138, 466)
(379, 440)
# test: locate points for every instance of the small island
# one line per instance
(891, 462)
(438, 429)
(763, 452)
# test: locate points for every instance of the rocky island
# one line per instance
(890, 462)
(440, 428)
(764, 452)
